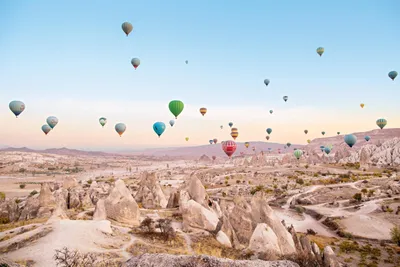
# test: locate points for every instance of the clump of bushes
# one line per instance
(22, 186)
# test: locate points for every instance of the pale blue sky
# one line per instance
(72, 60)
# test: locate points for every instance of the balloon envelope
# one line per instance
(159, 128)
(271, 111)
(46, 129)
(16, 107)
(306, 131)
(52, 121)
(269, 130)
(298, 153)
(135, 62)
(323, 133)
(215, 140)
(320, 51)
(210, 141)
(288, 144)
(246, 144)
(392, 75)
(176, 107)
(171, 122)
(127, 28)
(327, 150)
(362, 105)
(266, 82)
(350, 140)
(120, 128)
(103, 121)
(285, 98)
(230, 124)
(367, 138)
(203, 111)
(381, 123)
(229, 147)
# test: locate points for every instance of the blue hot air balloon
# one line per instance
(367, 138)
(327, 150)
(16, 107)
(159, 128)
(350, 139)
(52, 121)
(211, 141)
(269, 130)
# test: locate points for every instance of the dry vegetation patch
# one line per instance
(12, 225)
(210, 246)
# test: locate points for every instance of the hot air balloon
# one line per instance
(285, 98)
(215, 140)
(323, 132)
(393, 74)
(362, 105)
(103, 121)
(210, 141)
(16, 107)
(120, 128)
(234, 130)
(308, 141)
(298, 153)
(186, 61)
(254, 148)
(320, 51)
(338, 133)
(171, 122)
(176, 107)
(222, 127)
(350, 139)
(187, 139)
(135, 62)
(52, 121)
(269, 130)
(271, 111)
(203, 111)
(46, 129)
(267, 137)
(229, 147)
(381, 123)
(127, 28)
(306, 131)
(322, 148)
(266, 81)
(214, 157)
(327, 150)
(246, 144)
(288, 144)
(230, 124)
(234, 135)
(159, 128)
(367, 138)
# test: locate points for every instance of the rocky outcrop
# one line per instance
(167, 260)
(196, 191)
(196, 216)
(150, 193)
(47, 201)
(173, 201)
(329, 257)
(264, 239)
(8, 211)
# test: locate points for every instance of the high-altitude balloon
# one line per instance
(127, 28)
(187, 139)
(320, 51)
(298, 153)
(306, 131)
(171, 122)
(135, 62)
(215, 140)
(120, 128)
(285, 98)
(271, 111)
(230, 124)
(103, 121)
(210, 141)
(46, 129)
(159, 128)
(234, 130)
(203, 111)
(222, 127)
(267, 137)
(176, 107)
(323, 132)
(229, 147)
(186, 61)
(393, 74)
(362, 105)
(350, 139)
(338, 133)
(381, 123)
(308, 141)
(246, 144)
(269, 130)
(52, 121)
(266, 81)
(367, 138)
(288, 144)
(16, 107)
(234, 135)
(327, 150)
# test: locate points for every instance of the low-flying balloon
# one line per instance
(176, 107)
(392, 75)
(298, 153)
(16, 107)
(323, 132)
(159, 128)
(52, 121)
(266, 82)
(103, 121)
(187, 139)
(350, 139)
(367, 138)
(234, 135)
(171, 122)
(210, 141)
(229, 147)
(215, 140)
(320, 51)
(46, 129)
(269, 130)
(267, 137)
(306, 131)
(135, 62)
(308, 141)
(288, 144)
(203, 111)
(285, 98)
(338, 133)
(381, 123)
(120, 128)
(246, 144)
(327, 150)
(127, 28)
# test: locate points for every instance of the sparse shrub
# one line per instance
(256, 189)
(72, 258)
(238, 181)
(224, 194)
(22, 186)
(4, 220)
(357, 196)
(395, 235)
(315, 174)
(300, 209)
(311, 232)
(300, 181)
(2, 196)
(90, 181)
(147, 225)
(34, 192)
(306, 166)
(371, 192)
(364, 190)
(166, 229)
(22, 170)
(348, 246)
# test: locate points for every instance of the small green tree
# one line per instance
(357, 196)
(395, 234)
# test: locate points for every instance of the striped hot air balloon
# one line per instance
(234, 135)
(229, 147)
(381, 123)
(203, 111)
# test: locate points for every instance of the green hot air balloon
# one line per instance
(103, 121)
(392, 75)
(327, 150)
(266, 82)
(350, 139)
(381, 123)
(16, 107)
(176, 107)
(323, 132)
(52, 121)
(288, 144)
(320, 51)
(120, 128)
(306, 131)
(127, 28)
(269, 130)
(271, 111)
(46, 129)
(298, 153)
(338, 133)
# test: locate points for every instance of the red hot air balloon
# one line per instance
(215, 140)
(229, 147)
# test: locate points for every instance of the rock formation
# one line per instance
(150, 193)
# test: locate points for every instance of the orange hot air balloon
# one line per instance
(229, 147)
(203, 111)
(362, 105)
(234, 135)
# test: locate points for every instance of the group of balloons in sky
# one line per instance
(176, 107)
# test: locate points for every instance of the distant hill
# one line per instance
(61, 151)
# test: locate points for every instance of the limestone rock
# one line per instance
(330, 259)
(196, 216)
(264, 239)
(223, 239)
(150, 193)
(100, 211)
(173, 201)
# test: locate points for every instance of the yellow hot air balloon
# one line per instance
(187, 138)
(308, 141)
(203, 111)
(234, 130)
(247, 144)
(362, 105)
(234, 135)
